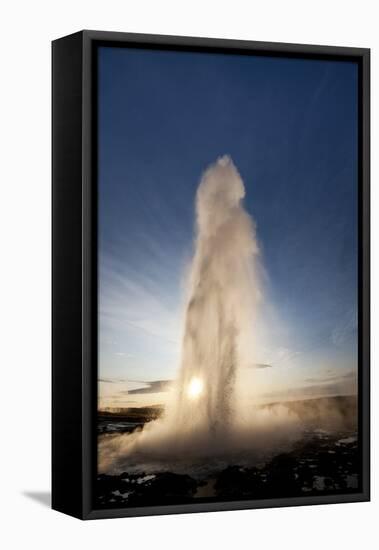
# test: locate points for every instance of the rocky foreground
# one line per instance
(321, 463)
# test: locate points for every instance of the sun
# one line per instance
(195, 388)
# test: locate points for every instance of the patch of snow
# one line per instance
(145, 478)
(347, 440)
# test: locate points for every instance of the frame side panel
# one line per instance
(365, 277)
(67, 275)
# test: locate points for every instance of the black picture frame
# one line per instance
(74, 266)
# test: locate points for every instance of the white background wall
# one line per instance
(27, 27)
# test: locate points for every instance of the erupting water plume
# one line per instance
(223, 290)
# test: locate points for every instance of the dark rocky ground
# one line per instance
(325, 461)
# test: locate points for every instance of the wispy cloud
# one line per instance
(112, 380)
(155, 386)
(133, 300)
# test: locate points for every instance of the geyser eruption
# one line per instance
(223, 291)
(208, 418)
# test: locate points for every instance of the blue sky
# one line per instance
(290, 126)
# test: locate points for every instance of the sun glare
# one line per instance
(195, 388)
